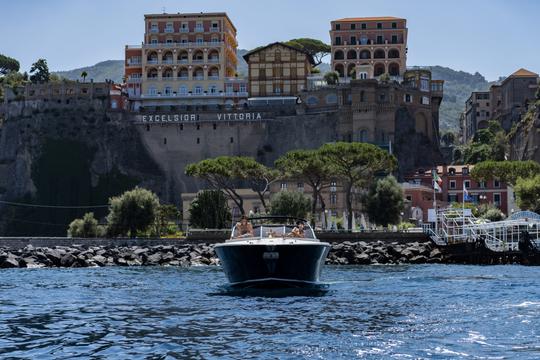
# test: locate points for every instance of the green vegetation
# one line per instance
(488, 144)
(224, 173)
(384, 201)
(290, 203)
(528, 193)
(316, 48)
(84, 74)
(505, 171)
(86, 227)
(355, 164)
(8, 64)
(165, 222)
(331, 78)
(308, 166)
(39, 72)
(210, 210)
(105, 70)
(493, 214)
(133, 211)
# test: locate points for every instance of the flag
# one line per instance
(466, 196)
(437, 181)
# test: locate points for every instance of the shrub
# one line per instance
(210, 210)
(290, 203)
(85, 227)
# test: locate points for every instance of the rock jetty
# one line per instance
(346, 253)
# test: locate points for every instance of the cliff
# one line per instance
(524, 137)
(79, 155)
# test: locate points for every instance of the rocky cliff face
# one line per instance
(75, 156)
(525, 136)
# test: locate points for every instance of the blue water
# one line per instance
(402, 312)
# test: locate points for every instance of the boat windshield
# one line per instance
(272, 231)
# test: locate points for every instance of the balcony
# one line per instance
(184, 30)
(185, 77)
(213, 77)
(198, 61)
(168, 61)
(154, 30)
(213, 60)
(182, 45)
(214, 30)
(198, 77)
(183, 61)
(169, 30)
(199, 29)
(152, 78)
(152, 61)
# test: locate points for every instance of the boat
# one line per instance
(271, 256)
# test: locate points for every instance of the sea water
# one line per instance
(370, 312)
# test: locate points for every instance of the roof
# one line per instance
(523, 73)
(249, 53)
(190, 15)
(376, 18)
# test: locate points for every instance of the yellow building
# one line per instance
(185, 59)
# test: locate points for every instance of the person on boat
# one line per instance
(244, 228)
(298, 230)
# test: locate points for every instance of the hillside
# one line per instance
(457, 88)
(109, 69)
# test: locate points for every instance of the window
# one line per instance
(425, 100)
(164, 141)
(338, 40)
(300, 186)
(338, 26)
(214, 126)
(168, 90)
(353, 26)
(467, 184)
(353, 40)
(380, 39)
(362, 75)
(496, 183)
(154, 28)
(452, 198)
(231, 140)
(182, 90)
(482, 184)
(424, 84)
(333, 199)
(152, 91)
(198, 90)
(213, 89)
(364, 26)
(452, 184)
(283, 186)
(379, 25)
(153, 41)
(243, 88)
(497, 199)
(465, 171)
(408, 197)
(333, 186)
(394, 39)
(198, 140)
(198, 127)
(408, 98)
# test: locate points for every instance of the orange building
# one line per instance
(185, 59)
(367, 47)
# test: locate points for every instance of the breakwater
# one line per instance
(185, 255)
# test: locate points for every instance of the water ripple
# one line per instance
(396, 312)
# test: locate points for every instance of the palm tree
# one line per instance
(84, 74)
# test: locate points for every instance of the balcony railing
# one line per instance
(213, 60)
(184, 30)
(182, 45)
(168, 61)
(152, 61)
(134, 80)
(183, 61)
(169, 30)
(199, 29)
(198, 61)
(192, 95)
(213, 77)
(199, 77)
(214, 29)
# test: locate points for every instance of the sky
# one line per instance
(492, 37)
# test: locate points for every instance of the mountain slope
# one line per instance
(457, 87)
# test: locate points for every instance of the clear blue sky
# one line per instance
(493, 37)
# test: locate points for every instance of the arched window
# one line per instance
(338, 55)
(198, 90)
(363, 136)
(351, 54)
(393, 54)
(183, 90)
(393, 69)
(379, 54)
(365, 54)
(378, 69)
(152, 91)
(362, 75)
(212, 89)
(340, 70)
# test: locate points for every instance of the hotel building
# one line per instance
(477, 113)
(364, 48)
(278, 70)
(185, 59)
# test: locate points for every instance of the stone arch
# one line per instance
(338, 55)
(393, 69)
(198, 55)
(339, 68)
(183, 56)
(363, 135)
(198, 73)
(152, 73)
(213, 72)
(167, 73)
(378, 69)
(482, 124)
(365, 54)
(351, 54)
(379, 54)
(213, 55)
(393, 54)
(152, 57)
(183, 73)
(168, 57)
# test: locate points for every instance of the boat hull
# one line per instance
(272, 266)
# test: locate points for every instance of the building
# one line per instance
(454, 177)
(372, 111)
(184, 60)
(477, 113)
(364, 48)
(510, 100)
(278, 70)
(505, 102)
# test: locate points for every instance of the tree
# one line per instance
(331, 78)
(290, 203)
(8, 64)
(133, 211)
(85, 227)
(84, 74)
(225, 173)
(164, 215)
(355, 164)
(505, 171)
(493, 214)
(490, 143)
(384, 77)
(316, 48)
(209, 210)
(384, 201)
(308, 166)
(448, 138)
(527, 192)
(40, 72)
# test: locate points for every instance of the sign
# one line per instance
(185, 118)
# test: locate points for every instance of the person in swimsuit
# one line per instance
(298, 230)
(243, 228)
